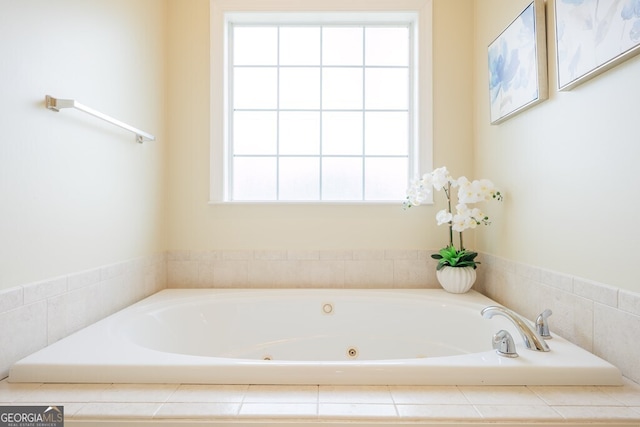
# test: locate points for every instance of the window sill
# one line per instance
(307, 203)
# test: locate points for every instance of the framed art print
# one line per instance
(593, 36)
(518, 65)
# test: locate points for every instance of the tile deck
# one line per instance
(379, 405)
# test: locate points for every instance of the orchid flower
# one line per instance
(469, 192)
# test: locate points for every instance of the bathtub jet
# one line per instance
(308, 336)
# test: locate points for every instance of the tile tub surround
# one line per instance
(599, 318)
(35, 315)
(595, 316)
(92, 404)
(373, 269)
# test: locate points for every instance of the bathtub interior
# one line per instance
(317, 327)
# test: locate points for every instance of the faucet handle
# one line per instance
(504, 345)
(542, 325)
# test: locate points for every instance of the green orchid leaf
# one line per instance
(450, 256)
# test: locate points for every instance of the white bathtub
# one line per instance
(359, 337)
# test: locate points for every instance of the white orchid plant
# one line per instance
(469, 192)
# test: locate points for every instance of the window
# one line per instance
(320, 109)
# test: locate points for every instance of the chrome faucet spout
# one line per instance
(531, 339)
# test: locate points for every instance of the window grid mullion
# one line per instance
(320, 119)
(278, 114)
(364, 99)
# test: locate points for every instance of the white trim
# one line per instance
(316, 18)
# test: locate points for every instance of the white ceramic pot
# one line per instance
(456, 280)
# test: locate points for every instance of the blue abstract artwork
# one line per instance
(517, 65)
(593, 36)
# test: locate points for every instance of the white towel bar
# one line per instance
(58, 104)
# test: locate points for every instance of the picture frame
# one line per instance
(593, 36)
(518, 64)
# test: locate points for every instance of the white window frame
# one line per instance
(418, 12)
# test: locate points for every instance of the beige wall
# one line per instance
(569, 166)
(196, 225)
(76, 192)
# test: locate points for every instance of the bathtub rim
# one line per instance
(36, 368)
